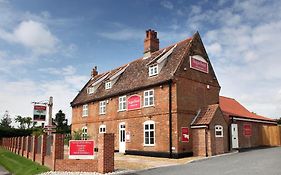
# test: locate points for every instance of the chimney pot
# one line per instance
(94, 71)
(151, 42)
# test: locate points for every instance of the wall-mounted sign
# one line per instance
(81, 149)
(134, 102)
(39, 112)
(247, 130)
(184, 134)
(199, 63)
(128, 136)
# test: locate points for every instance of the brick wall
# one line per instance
(199, 142)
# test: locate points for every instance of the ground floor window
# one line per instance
(218, 131)
(149, 133)
(102, 129)
(84, 134)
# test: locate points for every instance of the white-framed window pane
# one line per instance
(102, 129)
(153, 70)
(149, 98)
(102, 107)
(85, 110)
(84, 134)
(108, 85)
(149, 133)
(122, 103)
(218, 131)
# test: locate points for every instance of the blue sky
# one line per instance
(48, 48)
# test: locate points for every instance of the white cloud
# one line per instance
(167, 4)
(123, 34)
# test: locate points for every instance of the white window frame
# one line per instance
(218, 128)
(91, 90)
(85, 110)
(153, 70)
(122, 103)
(108, 85)
(149, 122)
(102, 107)
(84, 134)
(147, 96)
(102, 129)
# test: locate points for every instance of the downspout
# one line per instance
(170, 118)
(206, 141)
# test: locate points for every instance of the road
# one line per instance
(3, 171)
(254, 162)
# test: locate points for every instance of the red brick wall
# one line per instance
(77, 165)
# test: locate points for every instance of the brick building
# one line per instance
(150, 103)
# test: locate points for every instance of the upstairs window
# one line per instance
(148, 98)
(102, 129)
(218, 131)
(153, 70)
(108, 85)
(102, 107)
(84, 135)
(122, 103)
(91, 90)
(85, 110)
(149, 133)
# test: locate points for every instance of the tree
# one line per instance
(61, 123)
(28, 121)
(21, 121)
(279, 121)
(6, 121)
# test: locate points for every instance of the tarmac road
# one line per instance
(3, 171)
(265, 161)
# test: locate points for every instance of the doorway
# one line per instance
(234, 136)
(122, 143)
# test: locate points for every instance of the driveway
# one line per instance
(254, 162)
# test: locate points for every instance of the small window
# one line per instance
(108, 85)
(148, 98)
(102, 129)
(153, 70)
(218, 131)
(102, 107)
(85, 110)
(84, 135)
(122, 103)
(149, 133)
(91, 90)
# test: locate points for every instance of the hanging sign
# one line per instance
(39, 112)
(134, 102)
(184, 134)
(247, 130)
(81, 149)
(199, 63)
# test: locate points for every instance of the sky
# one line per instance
(48, 48)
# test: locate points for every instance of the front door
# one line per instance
(122, 143)
(234, 136)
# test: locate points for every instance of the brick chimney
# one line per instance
(151, 42)
(94, 71)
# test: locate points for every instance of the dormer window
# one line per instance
(108, 85)
(153, 70)
(91, 90)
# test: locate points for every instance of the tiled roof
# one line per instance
(135, 75)
(206, 115)
(231, 107)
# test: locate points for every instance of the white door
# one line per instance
(122, 143)
(234, 135)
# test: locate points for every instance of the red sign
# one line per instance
(81, 149)
(184, 134)
(40, 108)
(39, 112)
(247, 130)
(199, 63)
(134, 102)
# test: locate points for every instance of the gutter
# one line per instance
(170, 118)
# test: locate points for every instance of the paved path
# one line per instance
(3, 171)
(254, 162)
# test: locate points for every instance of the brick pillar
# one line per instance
(34, 147)
(28, 144)
(43, 148)
(23, 146)
(58, 148)
(15, 145)
(106, 153)
(19, 145)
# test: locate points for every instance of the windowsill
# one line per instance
(84, 116)
(101, 113)
(122, 110)
(152, 75)
(219, 136)
(150, 145)
(149, 106)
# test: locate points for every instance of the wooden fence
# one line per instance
(271, 135)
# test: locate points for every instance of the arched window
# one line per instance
(149, 133)
(84, 134)
(102, 129)
(218, 131)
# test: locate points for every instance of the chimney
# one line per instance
(151, 43)
(94, 71)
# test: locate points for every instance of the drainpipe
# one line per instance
(170, 117)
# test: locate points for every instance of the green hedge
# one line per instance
(13, 132)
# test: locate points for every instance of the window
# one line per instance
(84, 134)
(153, 70)
(102, 129)
(122, 103)
(85, 110)
(91, 90)
(148, 98)
(219, 131)
(108, 85)
(149, 133)
(102, 107)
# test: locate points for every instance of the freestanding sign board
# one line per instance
(134, 102)
(184, 134)
(39, 112)
(199, 63)
(247, 130)
(81, 149)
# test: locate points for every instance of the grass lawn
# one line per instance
(18, 165)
